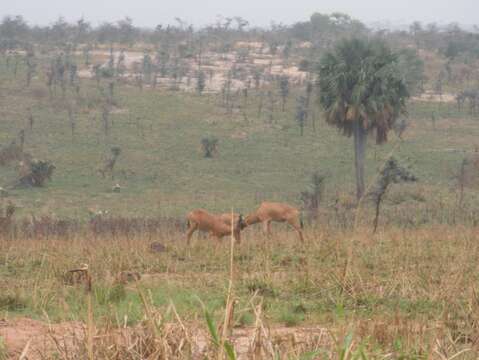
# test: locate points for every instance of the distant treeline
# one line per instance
(321, 30)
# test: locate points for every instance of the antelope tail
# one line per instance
(301, 223)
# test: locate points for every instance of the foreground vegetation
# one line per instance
(411, 293)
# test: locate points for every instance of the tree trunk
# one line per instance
(376, 217)
(359, 156)
(313, 117)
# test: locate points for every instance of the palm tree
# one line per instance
(361, 92)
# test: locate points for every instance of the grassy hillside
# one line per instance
(161, 168)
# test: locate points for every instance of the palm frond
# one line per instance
(360, 81)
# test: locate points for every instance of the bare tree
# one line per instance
(110, 163)
(105, 118)
(200, 82)
(271, 105)
(392, 173)
(120, 64)
(31, 121)
(462, 179)
(72, 120)
(30, 62)
(301, 112)
(86, 54)
(21, 137)
(284, 90)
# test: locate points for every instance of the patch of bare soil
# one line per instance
(85, 74)
(432, 97)
(30, 339)
(216, 67)
(265, 341)
(117, 110)
(240, 135)
(285, 338)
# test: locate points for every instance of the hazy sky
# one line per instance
(258, 12)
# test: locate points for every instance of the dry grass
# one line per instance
(399, 293)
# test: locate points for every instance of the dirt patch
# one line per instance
(240, 135)
(85, 74)
(249, 45)
(130, 57)
(118, 110)
(215, 66)
(432, 97)
(33, 338)
(284, 338)
(36, 340)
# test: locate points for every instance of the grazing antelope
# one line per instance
(217, 226)
(271, 211)
(226, 218)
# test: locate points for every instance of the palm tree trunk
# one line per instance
(359, 156)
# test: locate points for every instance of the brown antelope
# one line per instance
(217, 226)
(226, 218)
(271, 211)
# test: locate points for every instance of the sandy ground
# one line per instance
(30, 339)
(432, 97)
(215, 66)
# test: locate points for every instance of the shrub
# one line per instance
(209, 146)
(261, 287)
(304, 65)
(291, 318)
(12, 302)
(312, 197)
(38, 173)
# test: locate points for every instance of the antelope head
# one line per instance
(241, 224)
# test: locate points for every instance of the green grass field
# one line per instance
(161, 168)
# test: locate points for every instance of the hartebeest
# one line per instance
(226, 218)
(217, 226)
(271, 211)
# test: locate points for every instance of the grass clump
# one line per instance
(260, 287)
(12, 302)
(209, 145)
(3, 350)
(291, 318)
